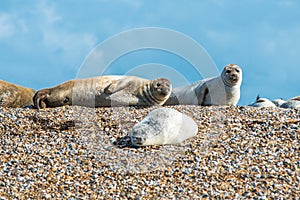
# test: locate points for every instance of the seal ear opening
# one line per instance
(40, 97)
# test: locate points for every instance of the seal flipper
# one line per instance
(117, 85)
(201, 93)
(172, 100)
(40, 97)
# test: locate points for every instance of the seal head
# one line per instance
(232, 75)
(160, 90)
(53, 97)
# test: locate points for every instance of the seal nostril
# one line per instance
(66, 100)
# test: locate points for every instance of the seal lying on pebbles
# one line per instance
(163, 126)
(291, 103)
(221, 90)
(297, 98)
(262, 102)
(12, 95)
(278, 102)
(105, 91)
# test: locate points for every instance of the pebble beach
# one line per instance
(85, 153)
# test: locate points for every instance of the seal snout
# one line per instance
(232, 72)
(137, 141)
(163, 86)
(234, 77)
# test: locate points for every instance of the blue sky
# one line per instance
(44, 43)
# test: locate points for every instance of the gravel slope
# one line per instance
(81, 153)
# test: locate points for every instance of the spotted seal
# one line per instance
(104, 91)
(12, 95)
(221, 90)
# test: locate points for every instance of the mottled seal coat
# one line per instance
(105, 91)
(12, 95)
(291, 103)
(221, 90)
(163, 126)
(278, 102)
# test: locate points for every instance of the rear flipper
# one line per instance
(40, 97)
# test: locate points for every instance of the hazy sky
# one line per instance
(44, 43)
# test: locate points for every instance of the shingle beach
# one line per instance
(85, 153)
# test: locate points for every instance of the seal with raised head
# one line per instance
(12, 95)
(220, 90)
(105, 91)
(262, 102)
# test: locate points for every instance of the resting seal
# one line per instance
(163, 126)
(297, 98)
(278, 102)
(221, 90)
(291, 103)
(12, 95)
(262, 102)
(105, 91)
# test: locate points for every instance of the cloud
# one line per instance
(7, 26)
(56, 36)
(285, 3)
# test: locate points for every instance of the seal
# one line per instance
(163, 126)
(297, 98)
(262, 102)
(291, 103)
(278, 102)
(221, 90)
(105, 91)
(12, 95)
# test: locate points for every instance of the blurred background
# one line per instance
(44, 43)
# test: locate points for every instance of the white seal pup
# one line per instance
(163, 126)
(262, 102)
(221, 90)
(12, 95)
(105, 91)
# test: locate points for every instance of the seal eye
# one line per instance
(228, 71)
(237, 70)
(158, 84)
(66, 100)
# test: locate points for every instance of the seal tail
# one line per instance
(40, 97)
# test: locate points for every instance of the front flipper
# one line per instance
(201, 93)
(118, 85)
(40, 97)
